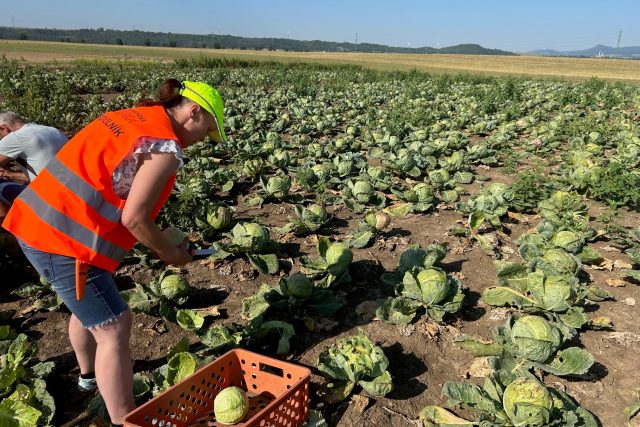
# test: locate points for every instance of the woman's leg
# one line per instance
(105, 317)
(114, 368)
(84, 345)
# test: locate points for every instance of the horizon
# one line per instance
(494, 24)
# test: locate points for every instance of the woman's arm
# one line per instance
(19, 177)
(150, 179)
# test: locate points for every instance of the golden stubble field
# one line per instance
(534, 66)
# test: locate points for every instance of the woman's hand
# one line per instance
(179, 255)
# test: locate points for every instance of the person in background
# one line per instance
(91, 203)
(31, 145)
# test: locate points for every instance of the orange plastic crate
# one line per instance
(278, 394)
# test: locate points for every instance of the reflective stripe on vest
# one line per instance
(70, 227)
(84, 191)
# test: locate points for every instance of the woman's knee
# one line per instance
(117, 329)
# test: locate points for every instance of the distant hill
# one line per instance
(215, 41)
(598, 50)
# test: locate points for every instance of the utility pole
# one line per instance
(355, 49)
(618, 44)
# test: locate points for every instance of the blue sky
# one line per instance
(517, 26)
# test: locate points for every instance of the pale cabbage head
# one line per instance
(378, 220)
(422, 192)
(439, 176)
(362, 191)
(485, 203)
(343, 166)
(568, 240)
(536, 338)
(278, 185)
(561, 261)
(338, 257)
(231, 405)
(377, 173)
(174, 287)
(315, 213)
(527, 402)
(250, 235)
(322, 171)
(219, 217)
(434, 286)
(253, 167)
(559, 294)
(501, 192)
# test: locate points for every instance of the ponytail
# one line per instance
(168, 95)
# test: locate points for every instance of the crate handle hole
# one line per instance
(271, 370)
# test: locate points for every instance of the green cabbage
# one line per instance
(250, 235)
(338, 257)
(219, 217)
(362, 191)
(231, 405)
(433, 284)
(378, 220)
(174, 286)
(298, 285)
(536, 338)
(527, 402)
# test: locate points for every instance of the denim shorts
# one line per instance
(102, 301)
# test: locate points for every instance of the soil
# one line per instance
(423, 355)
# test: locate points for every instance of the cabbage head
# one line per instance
(315, 213)
(378, 220)
(377, 173)
(219, 217)
(338, 257)
(559, 294)
(501, 192)
(485, 203)
(561, 261)
(527, 402)
(422, 192)
(321, 171)
(536, 338)
(298, 285)
(362, 191)
(343, 165)
(439, 177)
(174, 287)
(253, 167)
(231, 405)
(568, 240)
(278, 186)
(433, 285)
(250, 235)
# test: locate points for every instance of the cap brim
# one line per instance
(217, 137)
(218, 134)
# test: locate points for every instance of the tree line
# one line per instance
(219, 41)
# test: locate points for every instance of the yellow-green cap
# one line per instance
(208, 98)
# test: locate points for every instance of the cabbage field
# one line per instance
(438, 250)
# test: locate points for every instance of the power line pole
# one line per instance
(355, 49)
(618, 44)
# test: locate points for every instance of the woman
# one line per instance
(93, 201)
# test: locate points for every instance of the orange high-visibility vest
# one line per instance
(70, 208)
